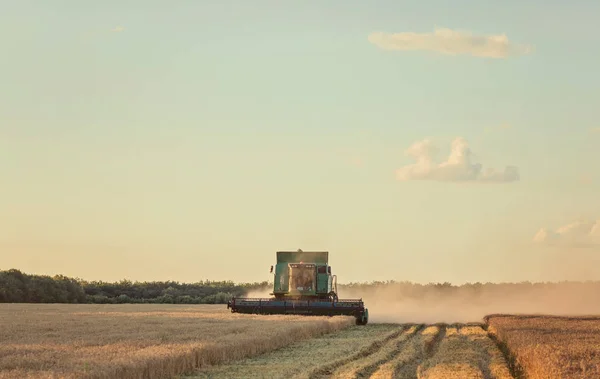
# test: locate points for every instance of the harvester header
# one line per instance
(303, 284)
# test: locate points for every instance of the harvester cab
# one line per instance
(303, 284)
(301, 274)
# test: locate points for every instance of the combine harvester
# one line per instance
(303, 285)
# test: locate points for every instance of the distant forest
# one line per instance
(19, 287)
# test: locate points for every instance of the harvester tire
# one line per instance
(362, 318)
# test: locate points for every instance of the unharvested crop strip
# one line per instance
(550, 346)
(327, 370)
(81, 345)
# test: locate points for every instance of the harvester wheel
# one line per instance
(362, 318)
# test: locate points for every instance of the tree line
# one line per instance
(19, 287)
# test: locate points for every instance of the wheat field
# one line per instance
(139, 341)
(382, 351)
(207, 341)
(465, 352)
(550, 346)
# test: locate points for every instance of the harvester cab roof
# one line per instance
(303, 284)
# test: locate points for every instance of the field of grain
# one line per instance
(550, 346)
(407, 351)
(465, 351)
(208, 341)
(139, 341)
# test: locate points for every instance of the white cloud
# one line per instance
(117, 29)
(450, 42)
(582, 233)
(595, 130)
(458, 167)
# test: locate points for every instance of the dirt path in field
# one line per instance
(391, 351)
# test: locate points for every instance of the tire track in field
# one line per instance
(369, 370)
(422, 348)
(363, 368)
(480, 343)
(456, 356)
(515, 369)
(495, 365)
(404, 351)
(325, 371)
(466, 352)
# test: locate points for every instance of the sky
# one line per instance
(427, 141)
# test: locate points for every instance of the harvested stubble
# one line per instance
(338, 368)
(405, 365)
(379, 351)
(550, 346)
(364, 368)
(302, 360)
(404, 353)
(465, 352)
(139, 341)
(402, 358)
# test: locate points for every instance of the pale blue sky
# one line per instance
(204, 136)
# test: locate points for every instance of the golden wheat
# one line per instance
(378, 351)
(139, 341)
(299, 360)
(410, 352)
(403, 355)
(551, 346)
(465, 352)
(364, 368)
(455, 358)
(497, 367)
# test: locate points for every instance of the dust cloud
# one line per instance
(261, 293)
(400, 303)
(403, 302)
